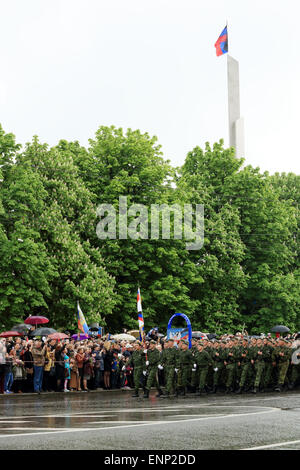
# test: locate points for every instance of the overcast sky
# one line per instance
(69, 66)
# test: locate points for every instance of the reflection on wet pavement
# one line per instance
(57, 412)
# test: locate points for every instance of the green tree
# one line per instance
(50, 208)
(24, 269)
(130, 164)
(201, 181)
(267, 227)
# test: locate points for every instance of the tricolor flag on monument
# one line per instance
(235, 121)
(140, 314)
(82, 324)
(222, 43)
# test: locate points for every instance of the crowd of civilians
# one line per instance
(36, 366)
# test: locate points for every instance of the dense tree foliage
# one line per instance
(245, 276)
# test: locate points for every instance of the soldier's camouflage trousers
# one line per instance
(152, 378)
(170, 379)
(259, 367)
(267, 377)
(137, 375)
(203, 371)
(245, 370)
(195, 378)
(282, 370)
(218, 373)
(230, 369)
(182, 376)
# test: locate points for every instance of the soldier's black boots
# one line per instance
(254, 390)
(239, 390)
(277, 388)
(214, 389)
(146, 394)
(135, 395)
(160, 393)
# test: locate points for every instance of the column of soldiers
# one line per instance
(234, 365)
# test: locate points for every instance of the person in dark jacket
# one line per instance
(59, 367)
(108, 361)
(88, 369)
(27, 359)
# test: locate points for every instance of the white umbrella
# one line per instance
(123, 336)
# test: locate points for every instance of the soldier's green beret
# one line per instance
(152, 341)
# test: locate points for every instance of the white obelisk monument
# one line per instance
(236, 122)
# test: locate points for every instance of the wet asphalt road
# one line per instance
(115, 420)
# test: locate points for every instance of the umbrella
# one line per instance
(135, 333)
(94, 327)
(211, 336)
(198, 334)
(58, 335)
(32, 320)
(42, 332)
(8, 334)
(280, 329)
(22, 328)
(80, 338)
(124, 336)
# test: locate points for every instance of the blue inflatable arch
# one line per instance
(189, 325)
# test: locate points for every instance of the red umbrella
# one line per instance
(58, 336)
(32, 320)
(8, 334)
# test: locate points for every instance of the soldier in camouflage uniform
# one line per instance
(184, 364)
(230, 363)
(267, 352)
(245, 364)
(169, 363)
(281, 357)
(218, 358)
(210, 374)
(137, 360)
(203, 361)
(195, 372)
(258, 362)
(152, 363)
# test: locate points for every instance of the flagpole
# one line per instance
(78, 334)
(142, 333)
